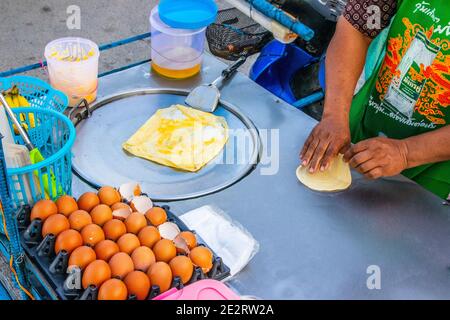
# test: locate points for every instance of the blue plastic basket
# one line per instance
(38, 93)
(54, 135)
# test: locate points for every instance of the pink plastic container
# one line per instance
(201, 290)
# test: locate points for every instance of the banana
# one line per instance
(24, 103)
(15, 100)
(9, 100)
(9, 97)
(14, 90)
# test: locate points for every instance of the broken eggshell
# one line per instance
(169, 230)
(141, 204)
(121, 214)
(130, 190)
(181, 244)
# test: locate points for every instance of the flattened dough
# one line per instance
(337, 177)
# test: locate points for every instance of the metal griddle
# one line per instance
(100, 160)
(315, 245)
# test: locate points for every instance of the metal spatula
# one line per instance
(206, 97)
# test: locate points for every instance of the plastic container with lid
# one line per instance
(72, 65)
(207, 289)
(178, 36)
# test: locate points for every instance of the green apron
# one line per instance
(409, 91)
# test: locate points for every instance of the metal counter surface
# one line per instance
(317, 245)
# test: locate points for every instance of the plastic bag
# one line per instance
(229, 239)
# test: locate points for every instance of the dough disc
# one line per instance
(337, 177)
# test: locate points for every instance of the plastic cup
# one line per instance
(176, 53)
(72, 65)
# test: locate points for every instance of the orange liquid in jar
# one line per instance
(176, 74)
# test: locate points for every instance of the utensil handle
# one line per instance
(51, 187)
(231, 69)
(13, 118)
(228, 72)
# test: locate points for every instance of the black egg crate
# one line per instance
(55, 267)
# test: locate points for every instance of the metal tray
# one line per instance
(102, 128)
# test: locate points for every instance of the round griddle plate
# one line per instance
(100, 160)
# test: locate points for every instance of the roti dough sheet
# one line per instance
(337, 177)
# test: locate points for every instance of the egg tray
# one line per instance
(55, 267)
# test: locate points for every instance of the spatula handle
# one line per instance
(228, 72)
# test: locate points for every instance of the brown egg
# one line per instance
(202, 257)
(121, 264)
(182, 267)
(87, 201)
(66, 205)
(108, 195)
(68, 240)
(156, 216)
(148, 236)
(101, 214)
(43, 209)
(128, 242)
(96, 273)
(164, 250)
(113, 289)
(120, 205)
(135, 222)
(137, 283)
(92, 234)
(55, 224)
(81, 257)
(160, 274)
(190, 239)
(105, 249)
(114, 229)
(79, 219)
(142, 258)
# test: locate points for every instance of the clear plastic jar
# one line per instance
(176, 53)
(72, 65)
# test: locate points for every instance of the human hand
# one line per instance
(330, 137)
(378, 157)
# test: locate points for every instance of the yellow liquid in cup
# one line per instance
(176, 74)
(75, 94)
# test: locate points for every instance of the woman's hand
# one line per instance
(378, 157)
(330, 137)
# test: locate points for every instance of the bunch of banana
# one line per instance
(15, 100)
